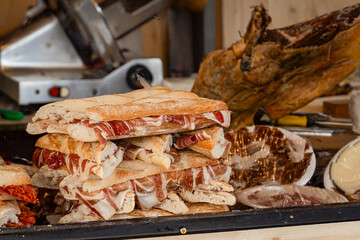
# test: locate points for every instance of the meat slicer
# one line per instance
(71, 49)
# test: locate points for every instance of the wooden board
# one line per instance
(336, 108)
(156, 39)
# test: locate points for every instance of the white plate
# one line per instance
(294, 138)
(328, 183)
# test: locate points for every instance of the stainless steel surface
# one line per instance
(121, 21)
(36, 10)
(43, 45)
(70, 51)
(31, 88)
(90, 17)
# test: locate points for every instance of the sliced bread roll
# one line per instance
(138, 113)
(150, 149)
(136, 104)
(128, 170)
(81, 158)
(49, 178)
(174, 204)
(216, 198)
(155, 144)
(208, 141)
(13, 175)
(8, 212)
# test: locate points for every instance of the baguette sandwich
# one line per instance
(15, 193)
(80, 158)
(59, 151)
(138, 113)
(159, 150)
(147, 152)
(192, 178)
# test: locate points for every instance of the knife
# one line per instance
(303, 120)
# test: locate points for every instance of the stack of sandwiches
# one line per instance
(150, 152)
(15, 194)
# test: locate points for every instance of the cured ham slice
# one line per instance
(208, 141)
(188, 140)
(161, 150)
(267, 196)
(149, 191)
(266, 154)
(119, 129)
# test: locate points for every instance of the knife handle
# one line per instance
(11, 115)
(292, 120)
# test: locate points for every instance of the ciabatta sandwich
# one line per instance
(138, 113)
(15, 193)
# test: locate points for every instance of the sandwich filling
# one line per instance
(77, 165)
(132, 152)
(22, 192)
(134, 127)
(186, 140)
(25, 218)
(149, 191)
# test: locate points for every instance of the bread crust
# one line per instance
(174, 204)
(13, 175)
(193, 208)
(156, 144)
(162, 160)
(215, 147)
(216, 198)
(30, 170)
(84, 214)
(139, 103)
(156, 107)
(65, 144)
(217, 186)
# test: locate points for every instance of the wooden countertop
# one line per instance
(14, 125)
(329, 231)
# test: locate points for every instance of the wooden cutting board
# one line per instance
(336, 108)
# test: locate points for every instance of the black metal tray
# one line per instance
(17, 146)
(191, 224)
